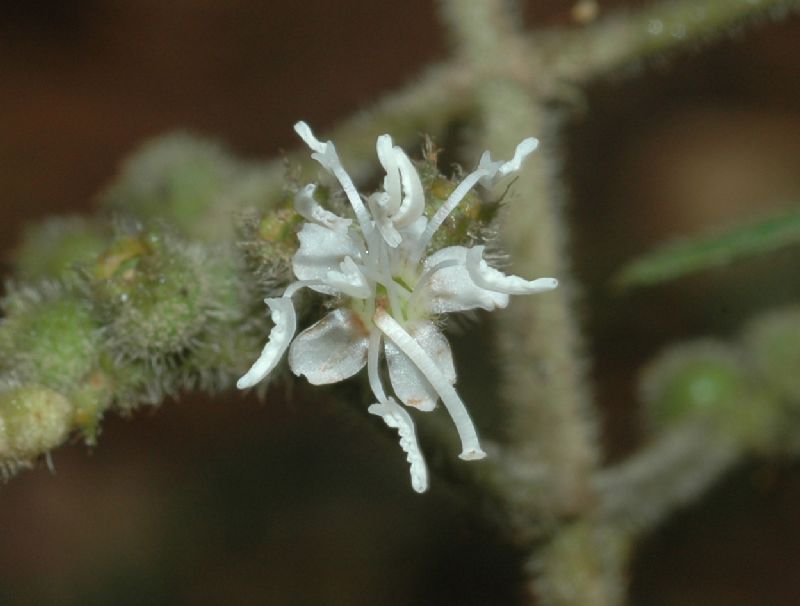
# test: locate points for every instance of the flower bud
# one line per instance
(707, 381)
(177, 178)
(33, 420)
(151, 295)
(48, 338)
(773, 341)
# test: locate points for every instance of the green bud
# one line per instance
(177, 178)
(33, 420)
(234, 337)
(151, 294)
(773, 341)
(707, 381)
(697, 379)
(50, 340)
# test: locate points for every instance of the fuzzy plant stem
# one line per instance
(625, 39)
(673, 471)
(551, 426)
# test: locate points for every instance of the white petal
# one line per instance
(452, 289)
(391, 183)
(322, 250)
(408, 382)
(410, 239)
(413, 195)
(394, 416)
(492, 279)
(331, 350)
(349, 280)
(378, 203)
(308, 208)
(471, 448)
(280, 336)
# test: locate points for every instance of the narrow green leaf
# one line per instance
(714, 250)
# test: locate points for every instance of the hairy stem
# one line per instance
(550, 422)
(676, 469)
(625, 38)
(544, 380)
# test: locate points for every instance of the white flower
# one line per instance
(390, 292)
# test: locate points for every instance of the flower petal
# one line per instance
(308, 208)
(470, 445)
(321, 250)
(413, 195)
(394, 416)
(378, 203)
(408, 382)
(280, 336)
(391, 183)
(331, 350)
(452, 289)
(349, 280)
(492, 279)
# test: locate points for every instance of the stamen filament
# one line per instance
(471, 448)
(445, 209)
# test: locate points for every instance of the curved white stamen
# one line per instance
(395, 416)
(373, 355)
(280, 336)
(497, 170)
(325, 154)
(471, 448)
(295, 286)
(492, 279)
(413, 195)
(445, 209)
(391, 183)
(349, 280)
(308, 208)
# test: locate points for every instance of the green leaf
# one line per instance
(713, 250)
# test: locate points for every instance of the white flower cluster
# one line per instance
(390, 292)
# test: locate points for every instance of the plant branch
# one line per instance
(625, 38)
(673, 471)
(551, 426)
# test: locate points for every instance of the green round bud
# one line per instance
(178, 178)
(773, 341)
(33, 420)
(51, 341)
(702, 379)
(152, 296)
(707, 381)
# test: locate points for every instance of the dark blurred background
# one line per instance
(295, 502)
